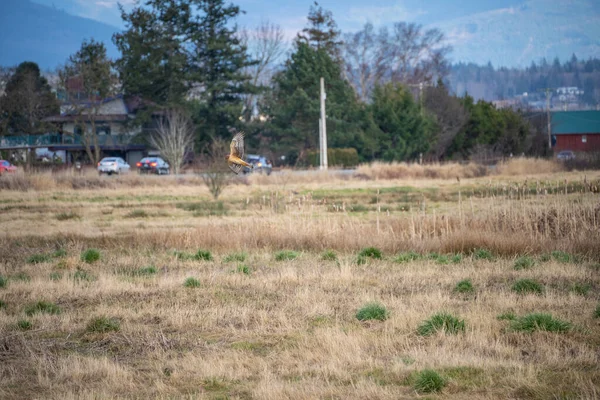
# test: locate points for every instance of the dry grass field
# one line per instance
(391, 283)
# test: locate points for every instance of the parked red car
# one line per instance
(5, 166)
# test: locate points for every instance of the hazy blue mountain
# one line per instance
(45, 35)
(514, 36)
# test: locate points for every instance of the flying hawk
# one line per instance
(236, 153)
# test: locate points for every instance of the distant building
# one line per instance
(576, 130)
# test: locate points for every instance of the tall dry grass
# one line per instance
(522, 166)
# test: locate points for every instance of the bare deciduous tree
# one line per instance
(174, 135)
(215, 172)
(450, 117)
(365, 58)
(265, 46)
(408, 55)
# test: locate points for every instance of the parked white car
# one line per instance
(113, 165)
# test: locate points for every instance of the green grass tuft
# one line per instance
(429, 381)
(90, 256)
(42, 307)
(38, 259)
(82, 275)
(581, 289)
(329, 255)
(203, 255)
(21, 276)
(597, 311)
(67, 215)
(3, 281)
(244, 269)
(507, 316)
(24, 325)
(371, 252)
(562, 257)
(286, 255)
(540, 322)
(528, 286)
(191, 283)
(2, 304)
(407, 257)
(464, 287)
(59, 253)
(483, 254)
(372, 311)
(137, 214)
(524, 262)
(103, 325)
(441, 322)
(456, 258)
(56, 276)
(235, 257)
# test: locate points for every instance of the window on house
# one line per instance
(78, 130)
(103, 130)
(584, 139)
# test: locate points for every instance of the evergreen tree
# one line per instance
(322, 31)
(404, 131)
(28, 99)
(294, 105)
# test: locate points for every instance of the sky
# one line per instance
(506, 33)
(350, 15)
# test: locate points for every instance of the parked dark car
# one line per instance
(5, 166)
(260, 163)
(565, 155)
(153, 165)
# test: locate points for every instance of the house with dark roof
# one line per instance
(577, 131)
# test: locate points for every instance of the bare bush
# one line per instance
(174, 135)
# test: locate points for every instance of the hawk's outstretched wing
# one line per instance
(235, 167)
(237, 145)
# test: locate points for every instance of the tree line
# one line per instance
(387, 89)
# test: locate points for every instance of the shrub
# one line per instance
(90, 256)
(38, 258)
(429, 381)
(203, 255)
(441, 322)
(42, 307)
(465, 286)
(524, 262)
(239, 257)
(24, 325)
(526, 286)
(191, 283)
(540, 322)
(286, 255)
(329, 255)
(580, 288)
(407, 257)
(103, 325)
(371, 252)
(483, 254)
(372, 311)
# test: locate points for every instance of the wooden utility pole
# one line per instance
(323, 128)
(548, 96)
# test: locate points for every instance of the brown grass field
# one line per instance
(272, 313)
